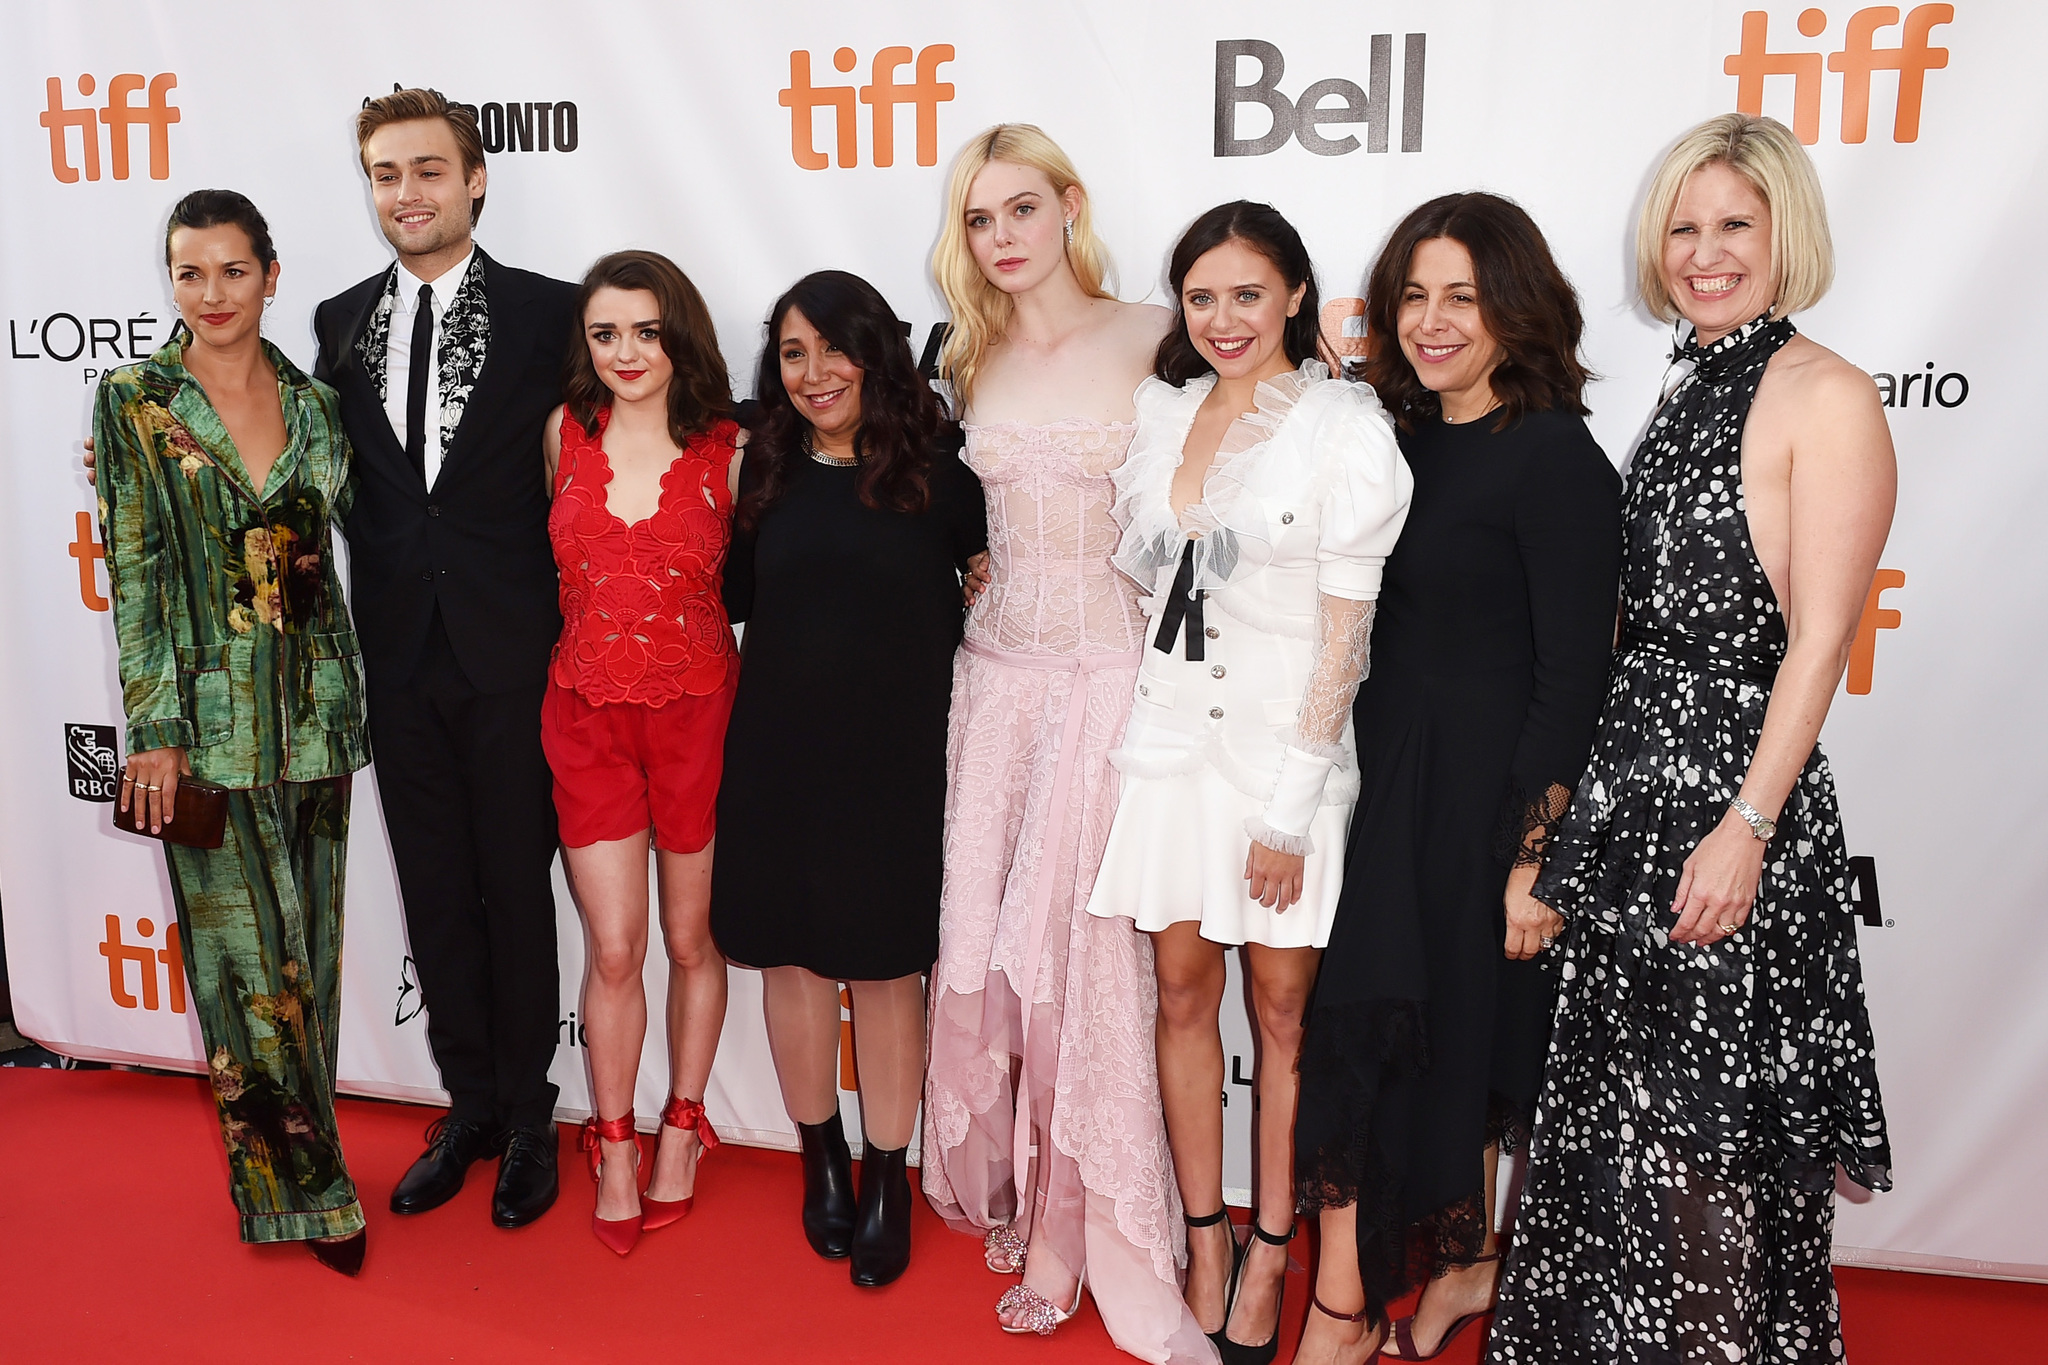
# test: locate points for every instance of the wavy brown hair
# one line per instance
(1524, 299)
(700, 393)
(900, 417)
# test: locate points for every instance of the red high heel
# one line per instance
(687, 1115)
(619, 1234)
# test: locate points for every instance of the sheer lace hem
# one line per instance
(1527, 823)
(1507, 1124)
(1300, 845)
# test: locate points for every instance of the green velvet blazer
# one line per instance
(235, 642)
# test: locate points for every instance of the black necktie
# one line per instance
(416, 386)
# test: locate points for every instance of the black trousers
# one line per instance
(469, 805)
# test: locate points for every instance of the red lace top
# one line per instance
(642, 620)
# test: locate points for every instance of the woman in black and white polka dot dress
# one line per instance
(1712, 1061)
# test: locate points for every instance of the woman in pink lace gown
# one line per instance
(1042, 1128)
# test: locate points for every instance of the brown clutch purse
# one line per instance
(201, 811)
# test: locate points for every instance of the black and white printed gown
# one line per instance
(1697, 1099)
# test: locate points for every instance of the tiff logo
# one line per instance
(1859, 57)
(119, 954)
(926, 92)
(1876, 617)
(117, 116)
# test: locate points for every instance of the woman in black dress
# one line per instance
(1712, 1067)
(854, 523)
(1425, 1037)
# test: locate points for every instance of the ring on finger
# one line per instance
(1730, 928)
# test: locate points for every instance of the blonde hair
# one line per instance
(1763, 152)
(980, 311)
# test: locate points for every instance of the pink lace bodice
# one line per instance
(1050, 536)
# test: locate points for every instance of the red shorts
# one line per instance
(624, 767)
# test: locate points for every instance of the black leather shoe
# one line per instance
(345, 1255)
(527, 1183)
(452, 1146)
(828, 1188)
(881, 1227)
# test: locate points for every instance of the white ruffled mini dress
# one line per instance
(1259, 601)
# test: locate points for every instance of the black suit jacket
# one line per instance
(476, 545)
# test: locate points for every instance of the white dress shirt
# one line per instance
(398, 355)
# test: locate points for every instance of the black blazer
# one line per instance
(476, 546)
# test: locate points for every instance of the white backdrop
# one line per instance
(667, 126)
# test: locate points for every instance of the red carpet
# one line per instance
(117, 1243)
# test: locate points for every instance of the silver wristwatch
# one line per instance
(1763, 829)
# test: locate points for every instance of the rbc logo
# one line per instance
(882, 94)
(1304, 116)
(94, 762)
(1860, 55)
(117, 116)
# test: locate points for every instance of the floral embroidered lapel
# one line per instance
(465, 344)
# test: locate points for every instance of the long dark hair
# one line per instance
(1260, 227)
(700, 393)
(900, 417)
(1524, 299)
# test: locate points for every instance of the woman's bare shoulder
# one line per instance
(1810, 373)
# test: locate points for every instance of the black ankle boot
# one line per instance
(828, 1188)
(881, 1231)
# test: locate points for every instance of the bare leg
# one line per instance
(1281, 979)
(803, 1037)
(610, 882)
(1190, 1041)
(1461, 1289)
(696, 1008)
(1325, 1338)
(888, 1050)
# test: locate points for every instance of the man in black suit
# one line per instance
(448, 364)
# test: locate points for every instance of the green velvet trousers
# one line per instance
(260, 919)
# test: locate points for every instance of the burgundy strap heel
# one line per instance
(1403, 1338)
(619, 1234)
(688, 1115)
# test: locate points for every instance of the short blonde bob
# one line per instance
(1763, 152)
(980, 310)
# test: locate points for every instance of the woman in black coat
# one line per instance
(1426, 1035)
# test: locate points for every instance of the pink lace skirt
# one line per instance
(1046, 1115)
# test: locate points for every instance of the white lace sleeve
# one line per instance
(1343, 656)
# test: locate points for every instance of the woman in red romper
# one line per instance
(638, 695)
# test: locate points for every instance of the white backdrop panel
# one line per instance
(683, 143)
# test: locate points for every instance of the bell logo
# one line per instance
(1860, 55)
(120, 954)
(117, 116)
(882, 94)
(1305, 116)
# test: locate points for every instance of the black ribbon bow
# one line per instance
(1183, 603)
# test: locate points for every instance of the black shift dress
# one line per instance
(831, 816)
(1489, 654)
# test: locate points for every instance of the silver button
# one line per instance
(1144, 691)
(1215, 713)
(1287, 518)
(1217, 671)
(1212, 632)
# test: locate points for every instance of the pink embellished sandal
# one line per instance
(1003, 1250)
(1037, 1313)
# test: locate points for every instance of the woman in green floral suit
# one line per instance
(221, 469)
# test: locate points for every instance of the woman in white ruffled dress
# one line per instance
(1259, 501)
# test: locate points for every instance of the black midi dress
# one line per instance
(1699, 1098)
(831, 815)
(1489, 654)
